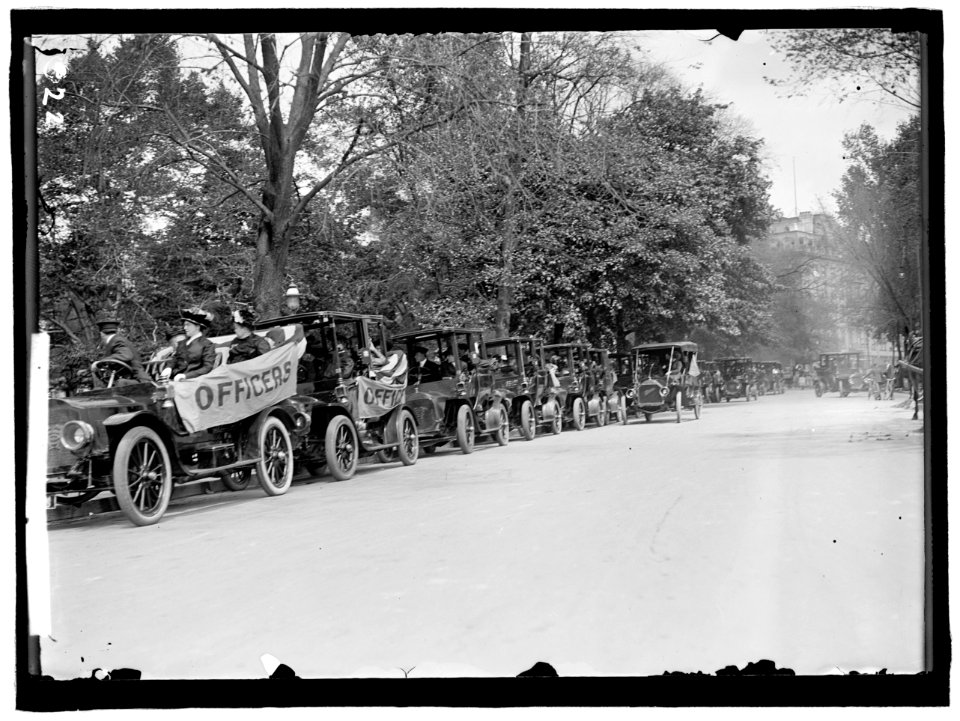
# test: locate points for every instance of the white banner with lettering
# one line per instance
(374, 398)
(230, 393)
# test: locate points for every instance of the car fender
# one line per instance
(391, 428)
(119, 423)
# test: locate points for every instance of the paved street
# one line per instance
(788, 529)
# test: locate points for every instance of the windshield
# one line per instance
(659, 362)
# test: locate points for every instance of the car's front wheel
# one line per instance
(579, 414)
(340, 448)
(275, 467)
(409, 448)
(502, 434)
(528, 421)
(465, 429)
(557, 424)
(142, 476)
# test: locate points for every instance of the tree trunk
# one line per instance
(508, 241)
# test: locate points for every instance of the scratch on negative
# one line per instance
(662, 521)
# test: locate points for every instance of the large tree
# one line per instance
(886, 63)
(878, 207)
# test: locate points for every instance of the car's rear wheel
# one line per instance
(409, 448)
(387, 455)
(275, 467)
(340, 448)
(528, 421)
(142, 476)
(237, 480)
(579, 413)
(465, 429)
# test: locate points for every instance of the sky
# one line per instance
(802, 132)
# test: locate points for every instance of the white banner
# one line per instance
(374, 398)
(230, 393)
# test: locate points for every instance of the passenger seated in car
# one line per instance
(247, 344)
(448, 368)
(393, 367)
(196, 356)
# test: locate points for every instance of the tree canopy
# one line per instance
(521, 182)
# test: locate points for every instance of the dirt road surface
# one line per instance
(788, 529)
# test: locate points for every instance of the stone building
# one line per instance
(804, 254)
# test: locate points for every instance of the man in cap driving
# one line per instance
(116, 347)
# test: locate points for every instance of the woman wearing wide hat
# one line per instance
(247, 344)
(196, 355)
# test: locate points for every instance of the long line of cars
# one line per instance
(311, 403)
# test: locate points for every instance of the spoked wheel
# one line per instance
(466, 430)
(275, 468)
(679, 405)
(142, 478)
(237, 480)
(502, 434)
(602, 413)
(557, 425)
(341, 449)
(579, 413)
(528, 421)
(409, 448)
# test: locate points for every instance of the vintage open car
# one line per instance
(522, 379)
(840, 372)
(140, 439)
(354, 415)
(453, 397)
(739, 378)
(569, 363)
(667, 378)
(770, 377)
(711, 380)
(621, 366)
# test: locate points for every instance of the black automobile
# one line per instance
(840, 373)
(711, 381)
(523, 381)
(569, 363)
(451, 390)
(138, 440)
(667, 379)
(355, 414)
(739, 378)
